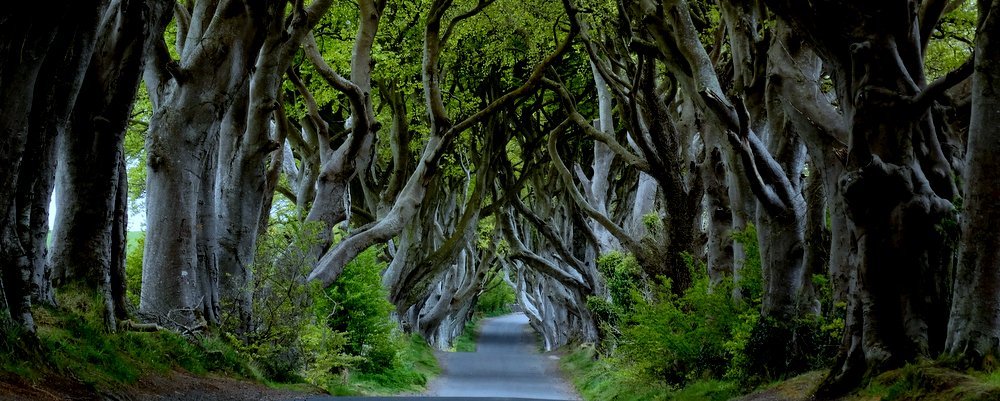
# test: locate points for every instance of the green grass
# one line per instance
(599, 380)
(74, 344)
(933, 382)
(416, 367)
(466, 342)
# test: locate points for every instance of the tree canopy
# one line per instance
(534, 143)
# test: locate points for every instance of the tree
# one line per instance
(45, 57)
(897, 185)
(88, 246)
(200, 102)
(973, 329)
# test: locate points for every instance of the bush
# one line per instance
(706, 333)
(675, 340)
(285, 336)
(625, 280)
(357, 305)
(768, 349)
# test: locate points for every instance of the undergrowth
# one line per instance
(340, 338)
(703, 344)
(415, 366)
(598, 379)
(74, 344)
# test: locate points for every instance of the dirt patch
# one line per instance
(179, 386)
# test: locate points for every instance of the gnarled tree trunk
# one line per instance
(974, 326)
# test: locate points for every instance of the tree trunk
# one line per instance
(974, 326)
(178, 146)
(88, 239)
(190, 99)
(896, 187)
(46, 57)
(332, 203)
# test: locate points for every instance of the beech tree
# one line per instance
(519, 141)
(218, 96)
(897, 185)
(91, 182)
(55, 55)
(973, 328)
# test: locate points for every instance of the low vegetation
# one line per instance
(74, 344)
(340, 339)
(703, 344)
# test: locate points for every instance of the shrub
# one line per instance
(285, 337)
(675, 340)
(768, 349)
(357, 305)
(625, 281)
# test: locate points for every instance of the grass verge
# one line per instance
(416, 367)
(596, 379)
(73, 344)
(466, 342)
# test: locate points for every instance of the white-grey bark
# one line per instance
(189, 95)
(974, 325)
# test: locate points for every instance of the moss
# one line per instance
(929, 382)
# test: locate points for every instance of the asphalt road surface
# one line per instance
(505, 367)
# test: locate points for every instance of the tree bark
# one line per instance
(246, 144)
(88, 237)
(896, 188)
(190, 97)
(974, 325)
(46, 55)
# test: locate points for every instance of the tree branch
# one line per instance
(567, 178)
(578, 119)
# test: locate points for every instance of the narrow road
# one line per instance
(505, 364)
(505, 367)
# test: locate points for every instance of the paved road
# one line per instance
(505, 367)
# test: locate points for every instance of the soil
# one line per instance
(177, 386)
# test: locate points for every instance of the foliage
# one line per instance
(496, 298)
(952, 40)
(768, 349)
(706, 333)
(284, 336)
(416, 366)
(623, 277)
(598, 379)
(751, 280)
(136, 241)
(74, 343)
(675, 340)
(357, 305)
(135, 148)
